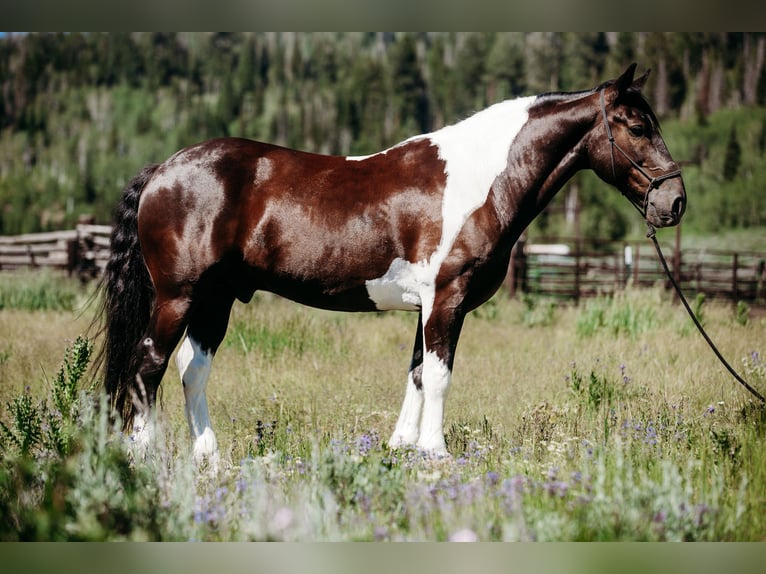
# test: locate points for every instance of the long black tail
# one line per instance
(126, 304)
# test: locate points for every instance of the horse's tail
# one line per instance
(126, 304)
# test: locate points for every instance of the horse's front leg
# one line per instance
(440, 335)
(408, 426)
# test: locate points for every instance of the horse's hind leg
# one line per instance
(167, 322)
(207, 327)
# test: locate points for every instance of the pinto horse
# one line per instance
(426, 226)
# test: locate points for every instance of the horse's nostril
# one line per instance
(678, 206)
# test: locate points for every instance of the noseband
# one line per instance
(654, 182)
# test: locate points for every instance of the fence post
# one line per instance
(31, 254)
(577, 273)
(734, 265)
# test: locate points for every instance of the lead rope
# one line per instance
(652, 235)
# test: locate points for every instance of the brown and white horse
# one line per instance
(424, 226)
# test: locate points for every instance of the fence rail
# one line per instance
(558, 267)
(562, 269)
(83, 251)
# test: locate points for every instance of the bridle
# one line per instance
(654, 182)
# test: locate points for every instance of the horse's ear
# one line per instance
(638, 84)
(625, 82)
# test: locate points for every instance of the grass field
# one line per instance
(607, 421)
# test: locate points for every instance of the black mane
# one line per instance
(632, 97)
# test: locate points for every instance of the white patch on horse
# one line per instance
(360, 157)
(263, 170)
(436, 382)
(475, 152)
(400, 287)
(194, 365)
(407, 427)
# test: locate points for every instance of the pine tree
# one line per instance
(732, 157)
(409, 86)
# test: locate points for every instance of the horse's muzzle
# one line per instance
(666, 206)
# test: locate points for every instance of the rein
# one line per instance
(652, 235)
(654, 183)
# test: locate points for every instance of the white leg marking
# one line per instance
(436, 381)
(143, 434)
(194, 364)
(407, 427)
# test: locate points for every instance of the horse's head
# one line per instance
(626, 149)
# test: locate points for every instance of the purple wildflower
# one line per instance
(241, 485)
(625, 378)
(557, 488)
(651, 434)
(365, 443)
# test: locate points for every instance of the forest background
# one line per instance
(81, 113)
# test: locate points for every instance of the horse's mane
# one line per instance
(631, 96)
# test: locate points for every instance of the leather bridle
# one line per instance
(654, 182)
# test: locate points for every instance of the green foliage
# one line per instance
(628, 313)
(721, 181)
(597, 389)
(742, 313)
(37, 428)
(65, 386)
(63, 476)
(25, 430)
(293, 335)
(698, 307)
(37, 291)
(81, 113)
(537, 311)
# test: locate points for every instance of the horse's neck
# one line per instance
(544, 155)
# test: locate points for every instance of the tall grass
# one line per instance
(628, 431)
(36, 291)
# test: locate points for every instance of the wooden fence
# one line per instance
(83, 251)
(565, 270)
(562, 268)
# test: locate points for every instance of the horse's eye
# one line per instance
(637, 130)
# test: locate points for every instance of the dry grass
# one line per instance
(348, 373)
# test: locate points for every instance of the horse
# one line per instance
(425, 226)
